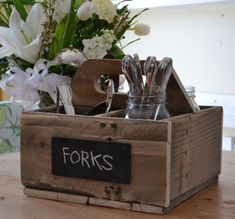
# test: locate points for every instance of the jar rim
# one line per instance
(142, 95)
(189, 88)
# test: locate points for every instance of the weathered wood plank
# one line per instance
(41, 194)
(147, 208)
(93, 127)
(111, 204)
(148, 171)
(191, 192)
(72, 198)
(196, 149)
(178, 100)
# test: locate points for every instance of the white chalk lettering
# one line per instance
(76, 158)
(85, 157)
(94, 160)
(110, 167)
(64, 154)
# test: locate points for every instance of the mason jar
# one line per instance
(191, 93)
(146, 106)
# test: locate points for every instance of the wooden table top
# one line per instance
(215, 202)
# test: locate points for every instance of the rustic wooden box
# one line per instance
(170, 160)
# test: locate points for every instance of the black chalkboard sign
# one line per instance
(99, 160)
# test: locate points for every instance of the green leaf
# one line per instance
(3, 20)
(138, 14)
(21, 9)
(70, 27)
(27, 2)
(56, 69)
(3, 66)
(5, 12)
(22, 63)
(56, 43)
(8, 10)
(78, 3)
(116, 52)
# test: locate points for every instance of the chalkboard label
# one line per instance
(98, 160)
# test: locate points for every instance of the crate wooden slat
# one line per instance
(195, 149)
(36, 144)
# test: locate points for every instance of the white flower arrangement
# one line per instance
(43, 43)
(106, 10)
(22, 38)
(98, 46)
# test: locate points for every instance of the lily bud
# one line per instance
(85, 11)
(141, 29)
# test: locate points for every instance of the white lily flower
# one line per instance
(23, 38)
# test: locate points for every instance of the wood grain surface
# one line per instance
(195, 149)
(148, 141)
(215, 202)
(170, 159)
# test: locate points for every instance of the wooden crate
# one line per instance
(170, 160)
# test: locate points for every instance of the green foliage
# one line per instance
(21, 9)
(69, 29)
(24, 2)
(45, 99)
(5, 11)
(27, 2)
(22, 63)
(94, 26)
(63, 69)
(49, 29)
(89, 29)
(3, 66)
(56, 46)
(69, 32)
(78, 3)
(116, 52)
(64, 33)
(69, 70)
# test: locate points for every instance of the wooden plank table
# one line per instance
(215, 202)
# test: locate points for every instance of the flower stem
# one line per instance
(69, 26)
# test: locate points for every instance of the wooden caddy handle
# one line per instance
(85, 87)
(86, 91)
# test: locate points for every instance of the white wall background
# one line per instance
(199, 38)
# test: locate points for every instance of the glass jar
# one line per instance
(191, 93)
(146, 107)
